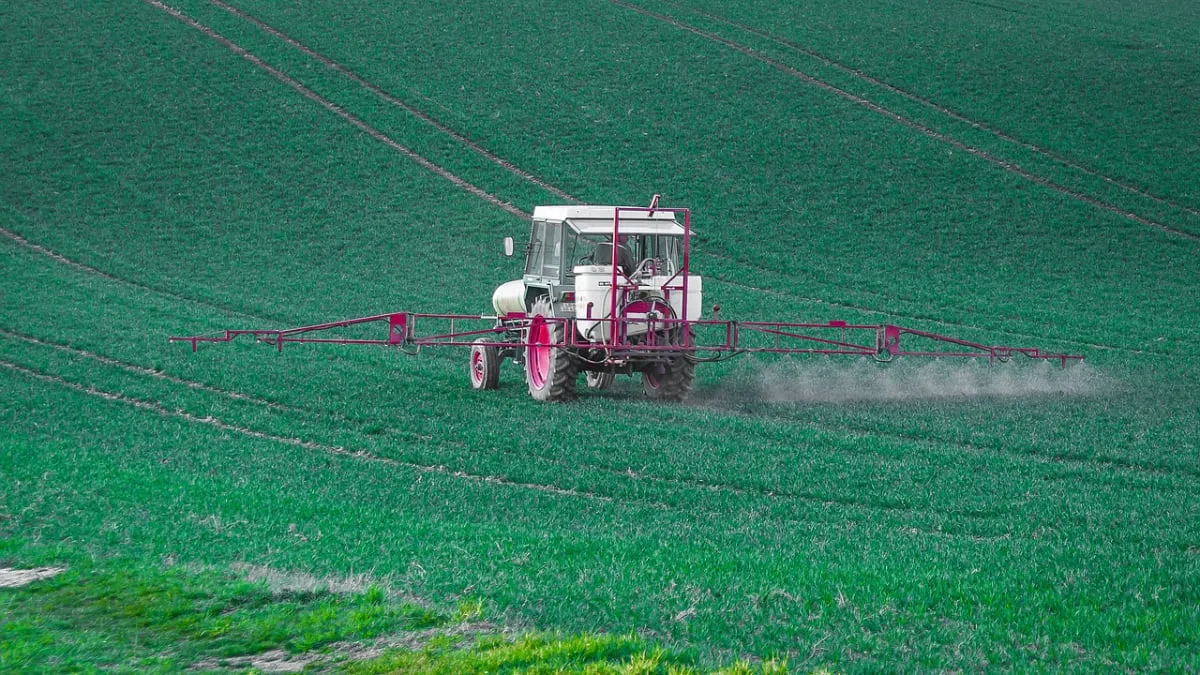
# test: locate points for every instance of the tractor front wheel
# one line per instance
(673, 383)
(599, 381)
(672, 380)
(485, 365)
(550, 369)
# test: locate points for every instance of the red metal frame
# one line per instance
(666, 288)
(713, 337)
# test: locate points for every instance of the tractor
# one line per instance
(607, 291)
(585, 265)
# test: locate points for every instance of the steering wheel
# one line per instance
(642, 271)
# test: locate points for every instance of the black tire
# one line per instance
(672, 382)
(550, 372)
(485, 365)
(599, 381)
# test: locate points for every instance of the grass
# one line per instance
(123, 614)
(1032, 531)
(119, 614)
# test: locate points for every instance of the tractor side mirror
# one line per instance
(508, 247)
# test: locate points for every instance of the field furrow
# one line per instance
(1072, 163)
(998, 162)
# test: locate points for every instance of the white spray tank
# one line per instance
(509, 297)
(592, 287)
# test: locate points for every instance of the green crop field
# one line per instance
(1005, 171)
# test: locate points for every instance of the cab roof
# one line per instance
(599, 219)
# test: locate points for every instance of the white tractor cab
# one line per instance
(562, 316)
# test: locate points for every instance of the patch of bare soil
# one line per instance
(279, 661)
(14, 578)
(274, 661)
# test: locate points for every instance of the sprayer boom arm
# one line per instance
(704, 339)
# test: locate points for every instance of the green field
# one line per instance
(1004, 171)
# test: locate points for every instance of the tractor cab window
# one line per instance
(665, 251)
(592, 249)
(545, 250)
(533, 261)
(552, 251)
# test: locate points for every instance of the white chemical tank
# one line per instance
(592, 285)
(509, 297)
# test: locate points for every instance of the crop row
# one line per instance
(996, 427)
(1107, 91)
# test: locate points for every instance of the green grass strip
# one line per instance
(548, 653)
(118, 614)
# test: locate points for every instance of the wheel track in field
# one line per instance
(910, 123)
(75, 264)
(164, 411)
(159, 374)
(686, 482)
(949, 112)
(517, 171)
(338, 110)
(383, 94)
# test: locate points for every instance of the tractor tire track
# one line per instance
(75, 264)
(159, 374)
(486, 479)
(949, 112)
(517, 171)
(339, 111)
(164, 411)
(771, 495)
(628, 473)
(301, 411)
(393, 100)
(911, 124)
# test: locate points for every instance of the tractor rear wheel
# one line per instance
(673, 382)
(599, 381)
(550, 371)
(485, 365)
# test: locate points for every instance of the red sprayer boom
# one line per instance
(878, 341)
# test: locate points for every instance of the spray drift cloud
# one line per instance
(830, 381)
